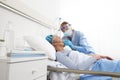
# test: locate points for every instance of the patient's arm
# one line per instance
(70, 62)
(97, 56)
(107, 57)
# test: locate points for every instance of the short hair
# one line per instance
(63, 23)
(54, 37)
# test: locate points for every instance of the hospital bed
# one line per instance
(57, 67)
(114, 75)
(10, 7)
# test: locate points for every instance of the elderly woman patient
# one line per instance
(76, 60)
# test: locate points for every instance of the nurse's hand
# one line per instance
(68, 43)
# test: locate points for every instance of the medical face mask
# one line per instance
(68, 33)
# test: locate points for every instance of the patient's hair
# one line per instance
(53, 38)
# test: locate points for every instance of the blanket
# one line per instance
(60, 75)
(103, 65)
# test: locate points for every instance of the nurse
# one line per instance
(75, 39)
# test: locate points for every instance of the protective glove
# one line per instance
(68, 43)
(49, 38)
(77, 48)
(81, 49)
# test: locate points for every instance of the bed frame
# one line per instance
(114, 75)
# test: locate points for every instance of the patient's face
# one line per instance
(57, 42)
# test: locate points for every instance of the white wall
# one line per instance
(23, 26)
(47, 8)
(99, 20)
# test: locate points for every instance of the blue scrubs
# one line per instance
(79, 40)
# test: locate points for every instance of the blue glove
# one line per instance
(68, 43)
(81, 49)
(49, 38)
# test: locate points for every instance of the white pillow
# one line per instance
(38, 43)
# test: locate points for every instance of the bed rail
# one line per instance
(114, 75)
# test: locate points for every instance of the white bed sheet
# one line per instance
(60, 75)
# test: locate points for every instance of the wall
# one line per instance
(47, 8)
(99, 20)
(23, 26)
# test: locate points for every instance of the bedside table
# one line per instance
(26, 68)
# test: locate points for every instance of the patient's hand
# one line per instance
(97, 56)
(107, 57)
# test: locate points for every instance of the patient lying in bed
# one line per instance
(76, 60)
